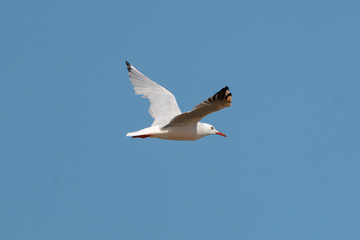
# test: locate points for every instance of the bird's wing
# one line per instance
(215, 103)
(163, 106)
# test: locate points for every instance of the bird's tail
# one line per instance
(144, 133)
(131, 134)
(137, 135)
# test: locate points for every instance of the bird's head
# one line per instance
(210, 130)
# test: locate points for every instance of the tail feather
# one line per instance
(143, 133)
(137, 135)
(131, 134)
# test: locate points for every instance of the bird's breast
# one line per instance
(180, 133)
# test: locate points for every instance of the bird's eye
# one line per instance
(212, 128)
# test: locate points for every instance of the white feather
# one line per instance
(163, 105)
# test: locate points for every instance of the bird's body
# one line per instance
(169, 123)
(193, 132)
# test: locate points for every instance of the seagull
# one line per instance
(169, 123)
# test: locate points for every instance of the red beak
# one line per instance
(221, 134)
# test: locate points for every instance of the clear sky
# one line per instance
(289, 168)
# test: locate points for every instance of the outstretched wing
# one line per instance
(163, 105)
(215, 103)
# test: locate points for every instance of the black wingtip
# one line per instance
(225, 94)
(128, 66)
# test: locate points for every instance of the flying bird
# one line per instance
(169, 123)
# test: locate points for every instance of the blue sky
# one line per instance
(289, 168)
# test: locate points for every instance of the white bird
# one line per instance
(169, 123)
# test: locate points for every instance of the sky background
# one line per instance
(289, 168)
